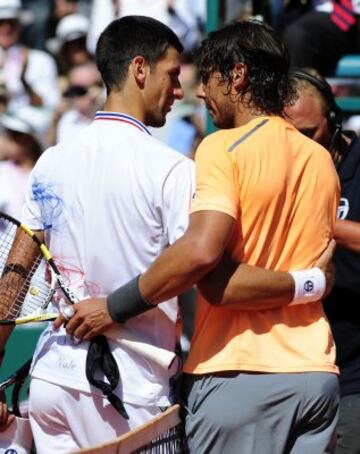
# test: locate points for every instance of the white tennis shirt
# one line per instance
(110, 200)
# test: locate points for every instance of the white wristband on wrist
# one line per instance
(310, 285)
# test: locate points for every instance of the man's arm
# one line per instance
(177, 269)
(35, 98)
(12, 281)
(245, 287)
(347, 235)
(180, 267)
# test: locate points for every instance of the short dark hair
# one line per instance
(127, 37)
(261, 49)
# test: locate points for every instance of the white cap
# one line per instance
(33, 121)
(16, 124)
(12, 9)
(69, 28)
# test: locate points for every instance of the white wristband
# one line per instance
(310, 285)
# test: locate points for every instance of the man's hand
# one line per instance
(90, 319)
(325, 263)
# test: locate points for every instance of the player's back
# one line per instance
(288, 194)
(109, 191)
(111, 200)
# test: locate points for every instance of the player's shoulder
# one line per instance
(315, 150)
(163, 152)
(218, 143)
(47, 158)
(214, 139)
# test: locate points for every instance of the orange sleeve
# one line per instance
(216, 187)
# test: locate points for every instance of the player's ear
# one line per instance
(239, 76)
(139, 68)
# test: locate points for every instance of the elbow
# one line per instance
(203, 260)
(202, 257)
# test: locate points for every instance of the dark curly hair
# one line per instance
(267, 60)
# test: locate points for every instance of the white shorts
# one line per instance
(65, 420)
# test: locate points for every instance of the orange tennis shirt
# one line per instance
(283, 191)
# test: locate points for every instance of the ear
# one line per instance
(139, 69)
(239, 76)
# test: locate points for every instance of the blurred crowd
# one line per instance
(50, 87)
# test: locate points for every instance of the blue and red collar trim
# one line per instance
(126, 119)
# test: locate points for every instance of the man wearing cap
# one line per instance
(29, 75)
(69, 44)
(85, 94)
(21, 148)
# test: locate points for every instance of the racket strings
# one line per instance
(23, 287)
(33, 294)
(171, 442)
(7, 235)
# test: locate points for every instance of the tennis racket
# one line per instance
(17, 379)
(29, 280)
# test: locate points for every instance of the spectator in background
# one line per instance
(29, 76)
(185, 17)
(84, 96)
(321, 36)
(69, 45)
(60, 9)
(316, 114)
(34, 32)
(4, 99)
(20, 148)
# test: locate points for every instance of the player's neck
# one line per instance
(120, 102)
(244, 116)
(245, 111)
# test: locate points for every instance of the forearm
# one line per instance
(253, 288)
(347, 235)
(246, 287)
(35, 99)
(177, 269)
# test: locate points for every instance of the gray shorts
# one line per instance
(251, 413)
